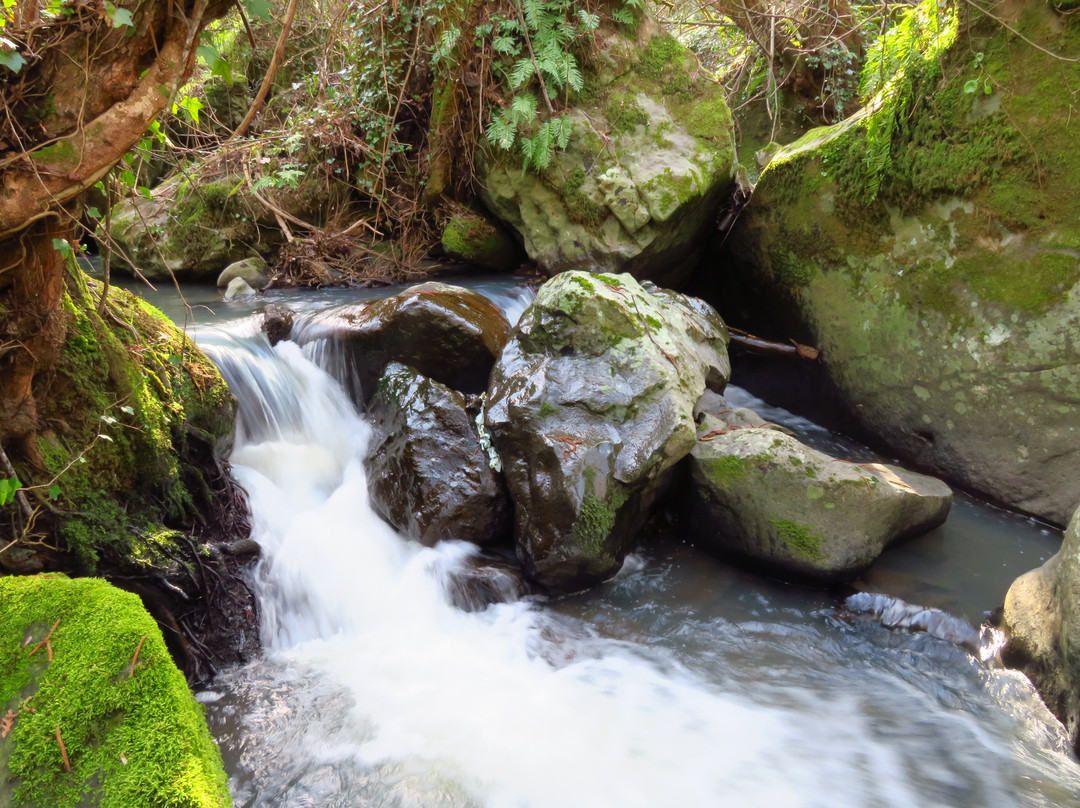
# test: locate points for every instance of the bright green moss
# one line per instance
(624, 115)
(547, 409)
(725, 470)
(799, 538)
(584, 283)
(595, 521)
(134, 739)
(659, 56)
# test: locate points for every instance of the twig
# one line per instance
(271, 72)
(63, 749)
(135, 659)
(45, 642)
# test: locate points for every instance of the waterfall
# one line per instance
(374, 690)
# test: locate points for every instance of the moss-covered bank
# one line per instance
(947, 304)
(102, 694)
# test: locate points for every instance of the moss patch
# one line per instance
(134, 739)
(800, 538)
(595, 520)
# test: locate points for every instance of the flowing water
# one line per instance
(681, 682)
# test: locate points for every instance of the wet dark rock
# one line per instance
(427, 473)
(760, 494)
(590, 407)
(242, 549)
(448, 333)
(895, 613)
(483, 580)
(276, 322)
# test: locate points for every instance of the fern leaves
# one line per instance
(539, 52)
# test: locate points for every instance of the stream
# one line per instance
(683, 681)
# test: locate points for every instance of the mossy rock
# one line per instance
(474, 240)
(948, 307)
(590, 407)
(105, 687)
(651, 155)
(761, 495)
(1042, 622)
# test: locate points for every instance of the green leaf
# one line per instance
(127, 177)
(12, 60)
(62, 246)
(971, 85)
(8, 487)
(54, 491)
(118, 17)
(93, 212)
(258, 9)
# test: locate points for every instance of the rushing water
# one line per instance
(682, 682)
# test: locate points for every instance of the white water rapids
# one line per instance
(375, 691)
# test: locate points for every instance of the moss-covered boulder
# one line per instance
(473, 239)
(947, 306)
(590, 406)
(427, 473)
(124, 480)
(95, 711)
(448, 333)
(1042, 621)
(638, 186)
(761, 495)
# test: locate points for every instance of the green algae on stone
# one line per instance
(134, 735)
(799, 538)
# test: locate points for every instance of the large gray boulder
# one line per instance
(427, 474)
(637, 188)
(760, 494)
(448, 333)
(947, 309)
(590, 405)
(1042, 621)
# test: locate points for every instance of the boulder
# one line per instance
(946, 306)
(590, 406)
(238, 287)
(104, 685)
(760, 494)
(451, 334)
(650, 157)
(472, 239)
(427, 475)
(252, 270)
(1042, 622)
(484, 579)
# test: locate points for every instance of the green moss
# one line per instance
(547, 409)
(595, 520)
(579, 207)
(131, 411)
(799, 538)
(59, 154)
(662, 54)
(584, 283)
(725, 470)
(134, 738)
(624, 115)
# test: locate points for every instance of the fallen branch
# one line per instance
(770, 348)
(271, 71)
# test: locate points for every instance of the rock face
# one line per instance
(948, 307)
(451, 334)
(134, 734)
(590, 405)
(650, 157)
(1042, 621)
(762, 495)
(427, 474)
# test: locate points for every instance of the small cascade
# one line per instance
(377, 690)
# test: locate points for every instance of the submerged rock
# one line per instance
(277, 322)
(590, 406)
(448, 333)
(252, 270)
(650, 158)
(894, 613)
(762, 495)
(104, 686)
(484, 579)
(238, 287)
(948, 307)
(427, 474)
(1042, 621)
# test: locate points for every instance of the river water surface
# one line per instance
(682, 682)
